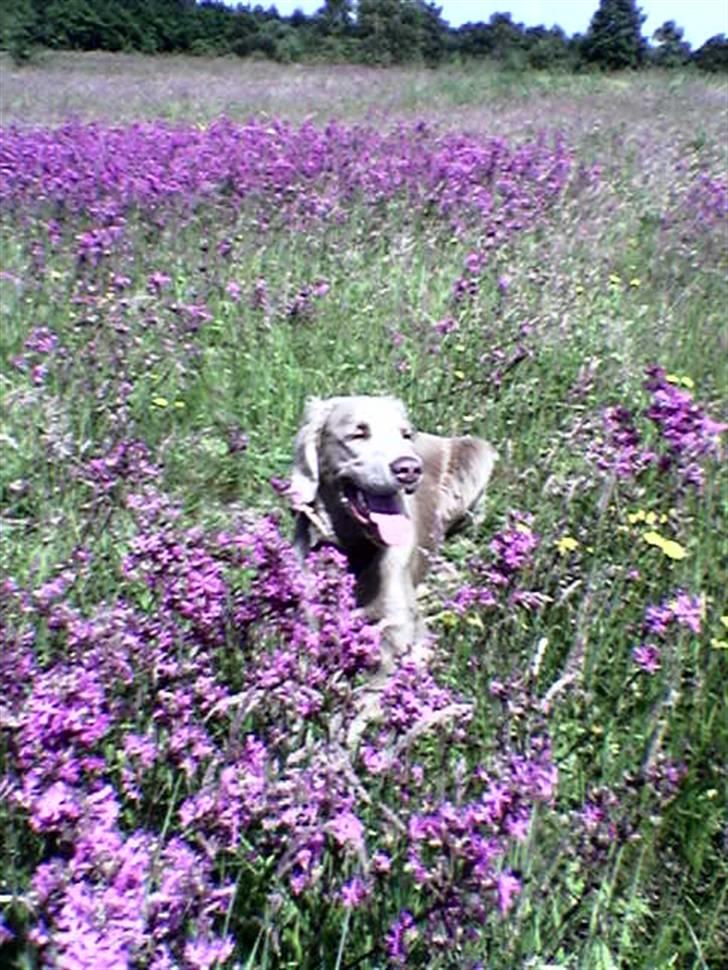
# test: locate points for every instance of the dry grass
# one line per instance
(130, 87)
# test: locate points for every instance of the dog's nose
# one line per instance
(407, 471)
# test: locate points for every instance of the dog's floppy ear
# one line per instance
(311, 517)
(305, 471)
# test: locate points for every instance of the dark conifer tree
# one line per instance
(614, 39)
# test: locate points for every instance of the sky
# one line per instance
(700, 19)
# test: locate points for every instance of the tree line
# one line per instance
(380, 32)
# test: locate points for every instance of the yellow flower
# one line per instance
(615, 279)
(459, 375)
(650, 518)
(635, 282)
(566, 544)
(681, 379)
(579, 288)
(448, 618)
(724, 621)
(672, 549)
(160, 402)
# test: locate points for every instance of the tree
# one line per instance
(548, 49)
(500, 39)
(506, 34)
(614, 39)
(672, 50)
(433, 32)
(474, 40)
(336, 16)
(713, 55)
(21, 33)
(397, 31)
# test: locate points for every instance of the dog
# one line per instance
(365, 480)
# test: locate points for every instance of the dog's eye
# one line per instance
(360, 431)
(408, 433)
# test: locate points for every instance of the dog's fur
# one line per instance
(356, 457)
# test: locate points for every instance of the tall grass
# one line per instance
(177, 790)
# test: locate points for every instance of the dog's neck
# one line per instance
(362, 555)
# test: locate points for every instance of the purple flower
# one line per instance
(141, 748)
(158, 281)
(260, 294)
(469, 596)
(689, 433)
(687, 610)
(400, 936)
(120, 281)
(658, 619)
(592, 815)
(622, 452)
(465, 287)
(347, 830)
(703, 205)
(203, 953)
(193, 315)
(514, 548)
(666, 776)
(381, 862)
(445, 326)
(647, 657)
(41, 340)
(288, 175)
(508, 888)
(474, 262)
(513, 551)
(81, 938)
(354, 893)
(127, 461)
(680, 608)
(55, 807)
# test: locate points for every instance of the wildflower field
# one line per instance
(541, 261)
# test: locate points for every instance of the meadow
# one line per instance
(190, 248)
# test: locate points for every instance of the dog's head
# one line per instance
(354, 463)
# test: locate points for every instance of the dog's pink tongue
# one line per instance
(394, 528)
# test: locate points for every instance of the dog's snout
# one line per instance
(407, 471)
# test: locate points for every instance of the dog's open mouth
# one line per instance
(382, 515)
